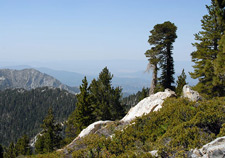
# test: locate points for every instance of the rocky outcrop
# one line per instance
(214, 149)
(30, 79)
(149, 104)
(92, 128)
(191, 94)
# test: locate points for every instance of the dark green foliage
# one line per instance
(181, 81)
(105, 98)
(1, 151)
(39, 145)
(220, 12)
(22, 111)
(10, 151)
(50, 137)
(221, 3)
(144, 93)
(162, 38)
(99, 101)
(209, 57)
(179, 126)
(221, 15)
(222, 131)
(46, 155)
(168, 30)
(22, 146)
(83, 114)
(133, 99)
(219, 62)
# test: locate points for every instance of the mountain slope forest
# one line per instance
(22, 111)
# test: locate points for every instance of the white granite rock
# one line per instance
(191, 94)
(145, 106)
(214, 149)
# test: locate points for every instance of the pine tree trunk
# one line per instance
(154, 80)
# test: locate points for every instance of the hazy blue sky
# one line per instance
(70, 30)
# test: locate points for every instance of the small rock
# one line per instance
(214, 149)
(154, 153)
(191, 94)
(196, 153)
(88, 130)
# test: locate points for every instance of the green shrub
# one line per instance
(173, 130)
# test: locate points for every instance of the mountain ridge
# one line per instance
(30, 79)
(131, 82)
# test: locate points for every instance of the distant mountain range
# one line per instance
(30, 79)
(130, 82)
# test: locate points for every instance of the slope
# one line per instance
(22, 111)
(179, 126)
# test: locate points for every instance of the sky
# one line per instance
(62, 32)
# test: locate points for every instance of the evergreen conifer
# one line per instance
(144, 94)
(50, 138)
(106, 99)
(11, 151)
(1, 151)
(22, 146)
(161, 39)
(209, 56)
(83, 114)
(99, 101)
(181, 81)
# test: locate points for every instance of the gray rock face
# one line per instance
(29, 79)
(191, 94)
(214, 149)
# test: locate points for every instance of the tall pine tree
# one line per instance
(50, 138)
(22, 146)
(181, 81)
(168, 30)
(83, 114)
(209, 57)
(102, 97)
(99, 101)
(219, 62)
(11, 151)
(161, 39)
(106, 99)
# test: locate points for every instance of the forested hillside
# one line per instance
(22, 111)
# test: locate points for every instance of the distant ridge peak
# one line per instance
(30, 78)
